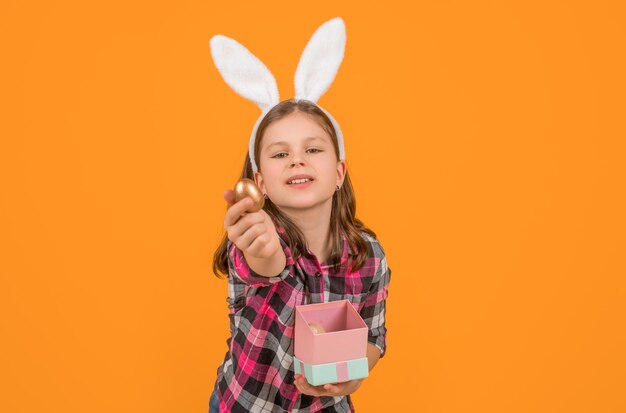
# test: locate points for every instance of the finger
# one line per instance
(255, 240)
(258, 240)
(246, 221)
(246, 230)
(303, 385)
(236, 210)
(229, 196)
(261, 246)
(299, 387)
(310, 390)
(307, 388)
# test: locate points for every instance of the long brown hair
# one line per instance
(342, 218)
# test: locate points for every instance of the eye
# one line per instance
(284, 153)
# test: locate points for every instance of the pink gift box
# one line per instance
(344, 343)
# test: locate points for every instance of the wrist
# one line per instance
(270, 266)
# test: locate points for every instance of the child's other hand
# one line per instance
(252, 232)
(337, 389)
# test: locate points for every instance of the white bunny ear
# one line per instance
(320, 60)
(244, 72)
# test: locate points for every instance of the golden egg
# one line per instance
(247, 188)
(317, 329)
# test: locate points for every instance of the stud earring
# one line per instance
(337, 187)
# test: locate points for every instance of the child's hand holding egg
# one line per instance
(247, 224)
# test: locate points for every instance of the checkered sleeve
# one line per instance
(374, 305)
(239, 268)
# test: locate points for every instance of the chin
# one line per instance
(304, 202)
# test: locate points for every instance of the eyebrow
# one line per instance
(310, 138)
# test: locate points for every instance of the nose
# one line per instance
(296, 160)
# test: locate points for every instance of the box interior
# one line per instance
(332, 319)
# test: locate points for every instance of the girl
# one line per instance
(305, 246)
(303, 234)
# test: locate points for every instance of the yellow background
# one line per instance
(485, 140)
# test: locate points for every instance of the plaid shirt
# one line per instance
(257, 373)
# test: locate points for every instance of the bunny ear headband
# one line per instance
(250, 78)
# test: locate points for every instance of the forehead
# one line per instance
(294, 128)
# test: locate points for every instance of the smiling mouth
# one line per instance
(299, 181)
(301, 185)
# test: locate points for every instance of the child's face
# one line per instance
(297, 155)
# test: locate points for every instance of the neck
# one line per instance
(314, 223)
